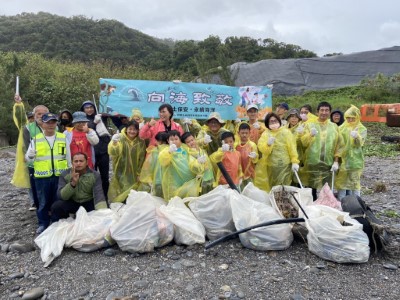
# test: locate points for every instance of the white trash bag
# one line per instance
(142, 227)
(188, 230)
(51, 241)
(247, 212)
(256, 194)
(213, 210)
(334, 235)
(90, 228)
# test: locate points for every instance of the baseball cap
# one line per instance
(48, 117)
(251, 106)
(284, 105)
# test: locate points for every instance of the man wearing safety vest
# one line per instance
(50, 156)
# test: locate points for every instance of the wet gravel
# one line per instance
(227, 271)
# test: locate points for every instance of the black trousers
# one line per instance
(61, 209)
(103, 166)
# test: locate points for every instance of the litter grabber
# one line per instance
(228, 178)
(264, 224)
(234, 234)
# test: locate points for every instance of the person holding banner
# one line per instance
(164, 124)
(102, 160)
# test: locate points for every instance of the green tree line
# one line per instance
(60, 85)
(83, 39)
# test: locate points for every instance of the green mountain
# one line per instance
(80, 38)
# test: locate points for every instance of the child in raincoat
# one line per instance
(127, 152)
(230, 158)
(151, 170)
(179, 169)
(248, 153)
(207, 178)
(353, 134)
(279, 155)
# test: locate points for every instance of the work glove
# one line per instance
(252, 155)
(31, 153)
(295, 167)
(354, 134)
(225, 147)
(256, 125)
(238, 120)
(187, 121)
(335, 166)
(116, 137)
(207, 139)
(300, 129)
(97, 119)
(173, 148)
(271, 140)
(313, 131)
(202, 159)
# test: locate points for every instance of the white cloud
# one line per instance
(322, 26)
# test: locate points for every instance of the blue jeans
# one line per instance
(46, 189)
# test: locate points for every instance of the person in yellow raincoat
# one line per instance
(279, 155)
(179, 169)
(151, 170)
(127, 152)
(209, 137)
(322, 150)
(230, 158)
(353, 134)
(248, 153)
(207, 178)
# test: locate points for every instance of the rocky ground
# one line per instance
(227, 271)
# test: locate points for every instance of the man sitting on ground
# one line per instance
(80, 186)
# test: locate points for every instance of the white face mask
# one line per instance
(303, 117)
(274, 126)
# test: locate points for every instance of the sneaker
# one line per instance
(32, 207)
(40, 229)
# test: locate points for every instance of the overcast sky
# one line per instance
(322, 26)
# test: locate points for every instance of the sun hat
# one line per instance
(79, 116)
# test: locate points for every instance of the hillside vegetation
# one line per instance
(59, 61)
(83, 39)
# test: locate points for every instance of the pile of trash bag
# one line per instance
(147, 222)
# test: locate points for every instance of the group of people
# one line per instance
(179, 158)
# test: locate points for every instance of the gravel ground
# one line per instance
(228, 271)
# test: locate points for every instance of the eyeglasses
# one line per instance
(273, 121)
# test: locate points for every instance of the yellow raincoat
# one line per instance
(207, 178)
(352, 165)
(20, 177)
(275, 165)
(178, 171)
(151, 170)
(319, 153)
(215, 139)
(127, 159)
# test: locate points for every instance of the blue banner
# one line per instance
(189, 100)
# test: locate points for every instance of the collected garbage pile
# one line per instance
(147, 222)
